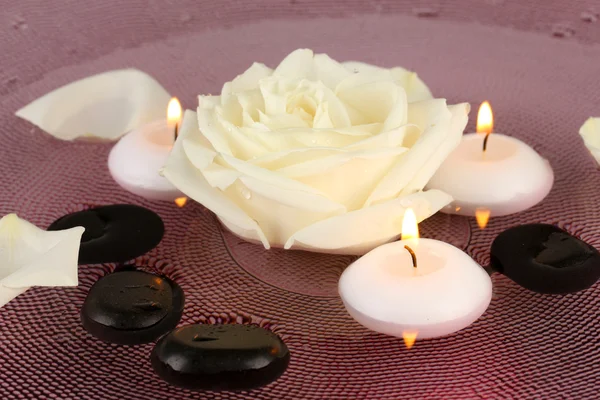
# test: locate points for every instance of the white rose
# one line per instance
(590, 132)
(316, 155)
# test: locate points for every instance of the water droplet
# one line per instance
(589, 16)
(425, 12)
(563, 30)
(246, 193)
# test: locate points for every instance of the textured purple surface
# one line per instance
(537, 62)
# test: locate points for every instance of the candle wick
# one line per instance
(485, 141)
(412, 255)
(176, 130)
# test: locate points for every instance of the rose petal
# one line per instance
(210, 128)
(225, 137)
(30, 256)
(103, 106)
(590, 132)
(358, 232)
(189, 180)
(282, 159)
(7, 294)
(437, 129)
(322, 120)
(283, 121)
(297, 65)
(345, 177)
(415, 88)
(252, 103)
(57, 266)
(246, 81)
(329, 71)
(375, 98)
(279, 212)
(460, 117)
(286, 140)
(391, 138)
(245, 169)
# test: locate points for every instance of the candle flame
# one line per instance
(180, 201)
(174, 111)
(483, 216)
(485, 118)
(410, 337)
(410, 227)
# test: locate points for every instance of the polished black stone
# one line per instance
(132, 307)
(115, 233)
(220, 357)
(545, 259)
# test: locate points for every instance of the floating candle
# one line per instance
(135, 161)
(492, 171)
(421, 286)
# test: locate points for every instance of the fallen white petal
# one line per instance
(590, 132)
(360, 231)
(30, 256)
(103, 106)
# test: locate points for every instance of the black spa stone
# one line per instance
(132, 307)
(220, 357)
(545, 259)
(115, 233)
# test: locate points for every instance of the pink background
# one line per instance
(538, 62)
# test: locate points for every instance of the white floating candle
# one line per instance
(439, 291)
(504, 177)
(136, 160)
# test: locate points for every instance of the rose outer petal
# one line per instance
(346, 177)
(460, 117)
(360, 231)
(297, 65)
(189, 180)
(436, 120)
(415, 88)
